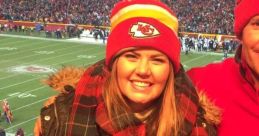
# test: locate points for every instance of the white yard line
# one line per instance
(36, 89)
(22, 123)
(18, 83)
(13, 75)
(29, 104)
(35, 54)
(80, 58)
(46, 39)
(12, 42)
(27, 49)
(44, 60)
(191, 60)
(30, 37)
(2, 89)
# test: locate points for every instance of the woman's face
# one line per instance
(142, 75)
(250, 41)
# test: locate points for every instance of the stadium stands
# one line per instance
(210, 16)
(206, 16)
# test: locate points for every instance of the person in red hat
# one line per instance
(234, 83)
(139, 89)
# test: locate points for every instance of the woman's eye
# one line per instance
(158, 60)
(256, 23)
(130, 56)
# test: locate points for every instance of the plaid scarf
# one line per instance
(89, 117)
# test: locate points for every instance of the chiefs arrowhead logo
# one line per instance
(143, 30)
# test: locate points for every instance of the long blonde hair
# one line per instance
(165, 120)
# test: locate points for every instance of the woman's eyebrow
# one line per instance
(255, 18)
(134, 52)
(158, 55)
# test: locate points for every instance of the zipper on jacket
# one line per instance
(56, 115)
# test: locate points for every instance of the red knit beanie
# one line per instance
(144, 23)
(244, 11)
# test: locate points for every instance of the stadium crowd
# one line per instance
(206, 16)
(211, 16)
(69, 11)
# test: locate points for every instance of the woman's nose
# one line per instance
(143, 68)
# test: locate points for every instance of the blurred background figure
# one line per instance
(2, 132)
(19, 132)
(7, 111)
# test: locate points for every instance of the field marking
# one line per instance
(58, 55)
(26, 49)
(43, 60)
(34, 118)
(48, 39)
(36, 54)
(12, 42)
(17, 83)
(191, 60)
(51, 65)
(21, 123)
(81, 58)
(30, 104)
(39, 88)
(13, 75)
(6, 38)
(32, 49)
(54, 64)
(97, 58)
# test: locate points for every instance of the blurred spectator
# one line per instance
(19, 132)
(7, 111)
(2, 132)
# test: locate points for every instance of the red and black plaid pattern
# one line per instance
(89, 116)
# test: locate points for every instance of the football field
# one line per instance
(24, 62)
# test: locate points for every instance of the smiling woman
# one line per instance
(139, 89)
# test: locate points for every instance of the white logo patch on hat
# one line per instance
(143, 30)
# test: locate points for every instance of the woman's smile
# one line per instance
(141, 85)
